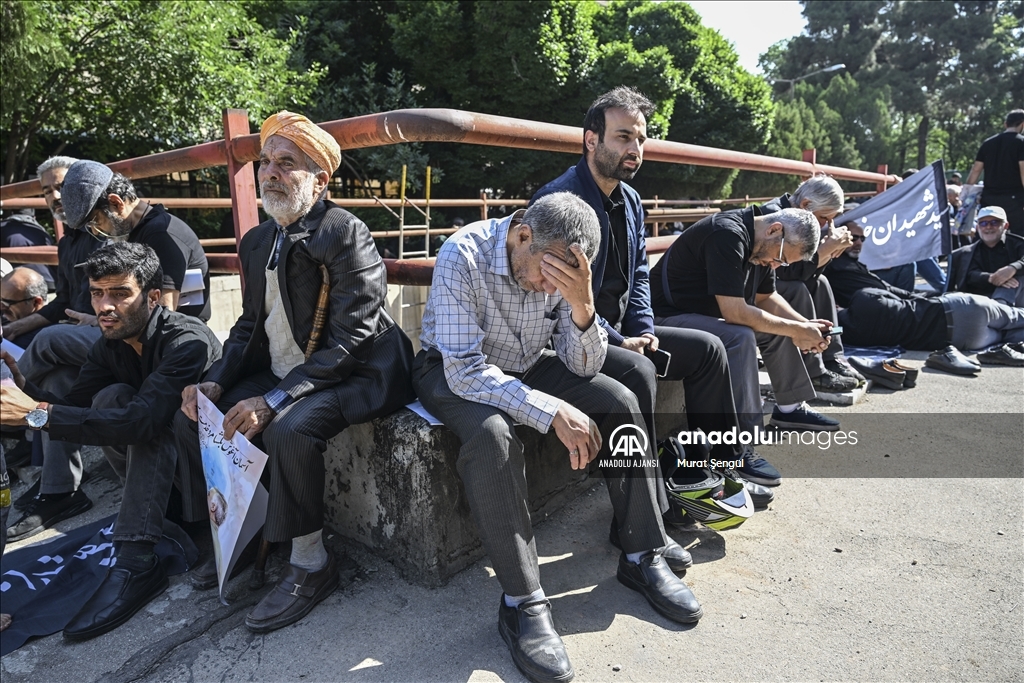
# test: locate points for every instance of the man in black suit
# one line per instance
(272, 386)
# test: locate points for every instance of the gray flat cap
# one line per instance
(84, 183)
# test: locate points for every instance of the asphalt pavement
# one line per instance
(873, 577)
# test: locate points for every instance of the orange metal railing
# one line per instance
(240, 147)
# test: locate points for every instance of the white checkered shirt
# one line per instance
(485, 325)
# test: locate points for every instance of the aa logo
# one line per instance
(629, 441)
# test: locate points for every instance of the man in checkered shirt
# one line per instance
(502, 291)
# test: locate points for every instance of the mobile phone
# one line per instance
(836, 329)
(661, 360)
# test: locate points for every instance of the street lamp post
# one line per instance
(792, 81)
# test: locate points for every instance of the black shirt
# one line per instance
(987, 260)
(710, 258)
(876, 317)
(1002, 155)
(72, 288)
(848, 276)
(177, 350)
(178, 249)
(614, 295)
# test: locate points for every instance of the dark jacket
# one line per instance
(360, 342)
(176, 351)
(961, 260)
(847, 276)
(72, 288)
(639, 317)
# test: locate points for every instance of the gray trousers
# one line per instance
(493, 469)
(980, 322)
(813, 299)
(782, 359)
(147, 472)
(52, 362)
(295, 442)
(1010, 297)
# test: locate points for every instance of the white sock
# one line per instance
(635, 557)
(787, 407)
(308, 551)
(516, 600)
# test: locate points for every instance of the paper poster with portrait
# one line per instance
(237, 501)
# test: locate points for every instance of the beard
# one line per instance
(119, 227)
(610, 166)
(132, 322)
(285, 204)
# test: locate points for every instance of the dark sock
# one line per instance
(56, 496)
(136, 556)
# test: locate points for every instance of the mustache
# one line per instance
(270, 185)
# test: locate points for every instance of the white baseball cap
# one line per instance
(996, 211)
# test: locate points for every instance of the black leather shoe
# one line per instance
(298, 592)
(204, 576)
(44, 511)
(122, 593)
(663, 589)
(678, 558)
(951, 360)
(1002, 355)
(536, 647)
(881, 374)
(25, 499)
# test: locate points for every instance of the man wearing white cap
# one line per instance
(994, 265)
(280, 384)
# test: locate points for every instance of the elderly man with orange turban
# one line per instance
(313, 352)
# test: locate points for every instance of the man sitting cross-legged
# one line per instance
(124, 399)
(502, 291)
(278, 388)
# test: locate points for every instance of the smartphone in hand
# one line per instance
(661, 360)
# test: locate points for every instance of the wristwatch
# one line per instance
(38, 416)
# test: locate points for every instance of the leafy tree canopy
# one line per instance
(117, 78)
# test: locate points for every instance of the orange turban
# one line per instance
(309, 137)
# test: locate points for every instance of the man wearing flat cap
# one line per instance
(283, 381)
(101, 207)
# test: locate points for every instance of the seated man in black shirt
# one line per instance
(993, 265)
(719, 276)
(99, 205)
(124, 400)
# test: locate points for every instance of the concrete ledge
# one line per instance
(392, 485)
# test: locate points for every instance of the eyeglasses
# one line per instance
(781, 261)
(995, 223)
(857, 238)
(15, 302)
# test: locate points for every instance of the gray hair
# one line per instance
(36, 284)
(560, 220)
(801, 229)
(54, 162)
(823, 193)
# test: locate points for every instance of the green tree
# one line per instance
(114, 78)
(932, 79)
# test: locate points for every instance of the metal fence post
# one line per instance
(241, 180)
(884, 170)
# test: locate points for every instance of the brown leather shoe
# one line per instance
(293, 597)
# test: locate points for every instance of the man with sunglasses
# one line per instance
(22, 293)
(719, 276)
(993, 266)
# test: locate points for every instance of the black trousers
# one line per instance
(493, 468)
(699, 359)
(295, 442)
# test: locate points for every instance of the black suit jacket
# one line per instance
(360, 342)
(961, 260)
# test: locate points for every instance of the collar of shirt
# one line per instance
(500, 264)
(615, 200)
